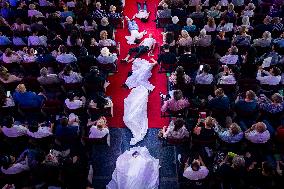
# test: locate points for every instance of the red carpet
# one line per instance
(158, 79)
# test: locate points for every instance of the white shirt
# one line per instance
(256, 137)
(229, 59)
(37, 40)
(227, 79)
(14, 131)
(268, 79)
(204, 78)
(196, 175)
(74, 77)
(28, 58)
(40, 133)
(148, 42)
(75, 104)
(32, 13)
(66, 58)
(98, 133)
(11, 59)
(179, 134)
(16, 168)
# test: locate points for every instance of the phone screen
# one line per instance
(200, 67)
(8, 93)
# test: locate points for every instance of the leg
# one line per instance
(131, 50)
(139, 6)
(145, 6)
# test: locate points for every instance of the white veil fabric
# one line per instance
(135, 113)
(141, 72)
(139, 171)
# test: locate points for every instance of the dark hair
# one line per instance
(67, 70)
(195, 166)
(9, 121)
(178, 95)
(166, 47)
(71, 96)
(101, 101)
(62, 49)
(169, 38)
(19, 21)
(179, 123)
(40, 50)
(5, 161)
(73, 37)
(64, 122)
(251, 55)
(276, 71)
(206, 68)
(33, 127)
(180, 80)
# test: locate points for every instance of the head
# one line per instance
(69, 20)
(198, 8)
(266, 35)
(267, 168)
(178, 95)
(9, 121)
(267, 20)
(150, 35)
(250, 95)
(101, 122)
(233, 50)
(8, 52)
(4, 74)
(245, 21)
(175, 19)
(277, 98)
(33, 127)
(195, 165)
(166, 48)
(19, 21)
(98, 5)
(104, 21)
(219, 92)
(260, 127)
(189, 21)
(251, 6)
(71, 96)
(179, 70)
(21, 88)
(32, 7)
(112, 8)
(67, 70)
(43, 72)
(184, 34)
(238, 162)
(243, 29)
(62, 49)
(211, 22)
(206, 68)
(202, 32)
(105, 51)
(64, 122)
(275, 71)
(165, 6)
(231, 7)
(209, 122)
(103, 35)
(222, 34)
(276, 20)
(234, 129)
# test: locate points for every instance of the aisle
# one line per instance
(158, 80)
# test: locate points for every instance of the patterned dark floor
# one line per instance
(104, 157)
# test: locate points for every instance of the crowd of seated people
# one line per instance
(55, 60)
(225, 100)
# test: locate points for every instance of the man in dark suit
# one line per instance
(167, 57)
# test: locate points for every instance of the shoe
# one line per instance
(179, 158)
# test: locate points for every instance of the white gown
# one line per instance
(135, 113)
(141, 172)
(141, 72)
(134, 34)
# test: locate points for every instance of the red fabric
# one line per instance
(118, 93)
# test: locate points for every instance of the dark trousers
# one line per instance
(139, 6)
(139, 50)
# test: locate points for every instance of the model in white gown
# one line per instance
(135, 169)
(141, 72)
(135, 113)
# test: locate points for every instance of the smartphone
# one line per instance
(8, 93)
(200, 67)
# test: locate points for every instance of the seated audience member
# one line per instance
(19, 26)
(242, 39)
(187, 57)
(198, 14)
(11, 167)
(90, 25)
(133, 28)
(174, 27)
(67, 128)
(176, 130)
(232, 57)
(43, 56)
(167, 57)
(100, 101)
(265, 26)
(69, 76)
(74, 102)
(220, 102)
(74, 39)
(168, 39)
(30, 56)
(106, 57)
(265, 41)
(214, 11)
(196, 171)
(104, 41)
(225, 25)
(18, 40)
(165, 12)
(26, 98)
(203, 76)
(210, 26)
(204, 130)
(271, 106)
(258, 133)
(33, 12)
(6, 77)
(248, 67)
(220, 43)
(189, 26)
(230, 15)
(277, 25)
(40, 130)
(176, 103)
(273, 77)
(69, 26)
(248, 104)
(95, 78)
(99, 12)
(98, 128)
(202, 40)
(179, 77)
(11, 129)
(184, 39)
(148, 44)
(6, 100)
(232, 134)
(113, 14)
(105, 26)
(245, 23)
(227, 76)
(249, 10)
(46, 79)
(10, 56)
(64, 57)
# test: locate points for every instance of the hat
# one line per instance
(175, 19)
(105, 51)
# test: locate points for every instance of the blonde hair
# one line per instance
(266, 35)
(184, 34)
(231, 6)
(112, 8)
(234, 129)
(219, 92)
(21, 88)
(103, 34)
(104, 21)
(211, 22)
(209, 121)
